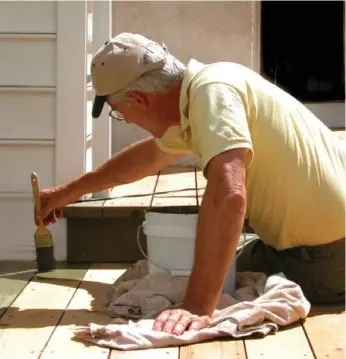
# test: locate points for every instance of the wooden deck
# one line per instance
(39, 312)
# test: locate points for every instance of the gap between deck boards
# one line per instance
(171, 187)
(39, 325)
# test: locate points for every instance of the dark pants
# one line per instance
(319, 270)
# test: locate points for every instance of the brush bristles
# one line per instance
(45, 258)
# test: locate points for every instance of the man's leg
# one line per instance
(320, 270)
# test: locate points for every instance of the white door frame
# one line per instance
(102, 126)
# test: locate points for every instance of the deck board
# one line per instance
(159, 353)
(33, 316)
(86, 306)
(223, 349)
(39, 324)
(14, 276)
(325, 329)
(85, 209)
(287, 343)
(175, 188)
(134, 195)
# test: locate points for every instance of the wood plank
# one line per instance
(85, 209)
(287, 343)
(17, 227)
(19, 70)
(86, 306)
(133, 195)
(223, 349)
(111, 239)
(34, 118)
(176, 186)
(159, 353)
(63, 271)
(20, 161)
(29, 322)
(325, 329)
(14, 276)
(34, 17)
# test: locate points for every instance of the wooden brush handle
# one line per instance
(36, 191)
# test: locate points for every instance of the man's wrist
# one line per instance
(72, 190)
(196, 308)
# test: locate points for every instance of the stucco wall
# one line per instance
(208, 31)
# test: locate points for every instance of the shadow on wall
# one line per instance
(208, 31)
(125, 134)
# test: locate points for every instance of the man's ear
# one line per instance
(137, 98)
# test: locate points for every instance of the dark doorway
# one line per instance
(303, 48)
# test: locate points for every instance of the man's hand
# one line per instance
(177, 321)
(52, 202)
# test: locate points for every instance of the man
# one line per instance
(265, 156)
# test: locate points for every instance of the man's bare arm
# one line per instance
(220, 224)
(135, 162)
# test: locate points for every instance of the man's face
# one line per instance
(140, 109)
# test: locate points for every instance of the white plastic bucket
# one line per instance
(171, 244)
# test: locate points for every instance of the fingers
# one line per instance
(175, 319)
(178, 321)
(48, 211)
(59, 213)
(161, 320)
(52, 215)
(181, 325)
(199, 324)
(44, 199)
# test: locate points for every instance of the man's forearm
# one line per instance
(133, 163)
(218, 232)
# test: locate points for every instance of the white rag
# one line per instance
(259, 306)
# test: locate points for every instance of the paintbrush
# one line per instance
(42, 236)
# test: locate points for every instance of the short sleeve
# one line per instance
(173, 141)
(218, 122)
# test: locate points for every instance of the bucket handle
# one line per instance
(144, 254)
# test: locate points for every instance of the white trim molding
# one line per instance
(101, 127)
(27, 36)
(49, 89)
(71, 90)
(25, 142)
(70, 130)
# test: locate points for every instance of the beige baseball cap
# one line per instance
(117, 65)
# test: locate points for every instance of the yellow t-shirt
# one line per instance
(296, 167)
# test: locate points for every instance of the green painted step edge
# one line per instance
(14, 276)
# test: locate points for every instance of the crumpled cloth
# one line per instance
(259, 306)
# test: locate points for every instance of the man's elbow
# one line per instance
(234, 201)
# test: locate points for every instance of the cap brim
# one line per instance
(99, 102)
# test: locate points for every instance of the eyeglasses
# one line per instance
(116, 115)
